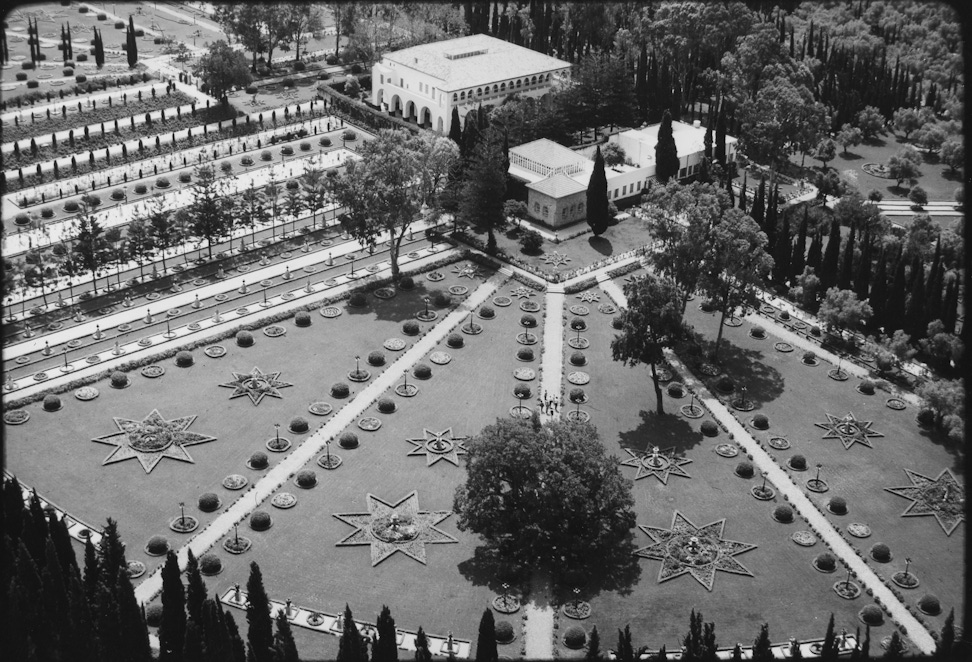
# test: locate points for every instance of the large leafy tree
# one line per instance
(735, 265)
(842, 310)
(771, 122)
(302, 18)
(548, 496)
(398, 177)
(481, 200)
(651, 322)
(221, 69)
(598, 214)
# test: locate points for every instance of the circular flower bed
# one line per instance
(235, 482)
(330, 312)
(837, 505)
(278, 444)
(157, 546)
(727, 450)
(298, 425)
(871, 615)
(880, 552)
(209, 502)
(210, 565)
(577, 395)
(575, 637)
(929, 604)
(52, 402)
(760, 422)
(118, 379)
(896, 403)
(676, 390)
(745, 469)
(135, 569)
(215, 351)
(185, 524)
(86, 393)
(237, 545)
(244, 338)
(258, 461)
(797, 463)
(422, 371)
(905, 579)
(784, 347)
(410, 328)
(348, 440)
(804, 538)
(260, 520)
(825, 562)
(184, 359)
(153, 371)
(859, 530)
(866, 387)
(283, 500)
(577, 609)
(306, 479)
(709, 428)
(504, 632)
(454, 340)
(302, 318)
(783, 513)
(486, 313)
(779, 443)
(757, 332)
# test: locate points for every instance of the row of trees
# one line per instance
(263, 28)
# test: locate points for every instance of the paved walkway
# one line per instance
(795, 495)
(552, 358)
(539, 613)
(310, 448)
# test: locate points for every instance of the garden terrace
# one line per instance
(66, 98)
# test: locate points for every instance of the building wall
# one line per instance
(559, 212)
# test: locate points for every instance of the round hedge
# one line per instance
(760, 422)
(210, 564)
(866, 387)
(745, 469)
(299, 424)
(757, 332)
(52, 402)
(798, 462)
(244, 338)
(340, 390)
(410, 328)
(119, 379)
(930, 604)
(487, 312)
(578, 358)
(783, 513)
(376, 358)
(577, 324)
(815, 330)
(348, 440)
(302, 318)
(784, 315)
(259, 460)
(725, 384)
(386, 405)
(157, 545)
(47, 212)
(576, 395)
(838, 505)
(809, 357)
(880, 552)
(153, 613)
(524, 354)
(925, 416)
(209, 502)
(617, 322)
(676, 390)
(185, 177)
(522, 391)
(422, 371)
(358, 299)
(826, 562)
(260, 520)
(872, 615)
(575, 637)
(141, 189)
(349, 135)
(162, 182)
(455, 340)
(528, 321)
(71, 206)
(405, 282)
(306, 478)
(504, 632)
(247, 161)
(324, 142)
(183, 359)
(709, 428)
(441, 299)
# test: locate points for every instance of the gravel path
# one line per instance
(552, 360)
(539, 619)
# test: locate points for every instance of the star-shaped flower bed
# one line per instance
(698, 551)
(438, 446)
(152, 439)
(398, 527)
(849, 430)
(589, 297)
(555, 259)
(467, 270)
(522, 293)
(256, 385)
(660, 464)
(943, 497)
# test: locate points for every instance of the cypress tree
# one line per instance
(215, 639)
(55, 602)
(772, 215)
(17, 632)
(762, 648)
(84, 643)
(625, 651)
(237, 647)
(946, 641)
(260, 625)
(641, 84)
(729, 192)
(866, 646)
(895, 650)
(707, 141)
(13, 507)
(385, 649)
(815, 254)
(135, 639)
(172, 629)
(742, 192)
(666, 152)
(710, 652)
(486, 642)
(781, 252)
(759, 204)
(798, 254)
(862, 279)
(195, 588)
(894, 307)
(106, 622)
(593, 646)
(422, 652)
(455, 128)
(662, 655)
(91, 571)
(351, 647)
(111, 554)
(193, 650)
(132, 50)
(736, 653)
(829, 650)
(720, 144)
(847, 265)
(950, 303)
(284, 645)
(598, 215)
(933, 288)
(915, 310)
(828, 268)
(470, 136)
(62, 543)
(878, 296)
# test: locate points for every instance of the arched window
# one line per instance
(503, 87)
(533, 81)
(536, 207)
(455, 97)
(479, 91)
(462, 96)
(546, 211)
(519, 83)
(548, 78)
(495, 88)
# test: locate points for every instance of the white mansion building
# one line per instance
(424, 83)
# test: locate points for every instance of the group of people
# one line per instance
(548, 405)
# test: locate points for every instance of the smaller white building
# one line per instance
(556, 177)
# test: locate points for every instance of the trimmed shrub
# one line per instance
(880, 552)
(118, 194)
(244, 338)
(157, 545)
(259, 460)
(162, 182)
(299, 424)
(529, 321)
(455, 340)
(247, 161)
(376, 358)
(757, 332)
(930, 604)
(47, 212)
(226, 166)
(349, 135)
(784, 315)
(676, 390)
(577, 324)
(798, 462)
(27, 65)
(815, 331)
(575, 637)
(153, 613)
(760, 422)
(809, 357)
(709, 428)
(524, 354)
(302, 318)
(260, 520)
(119, 379)
(300, 65)
(576, 395)
(441, 299)
(348, 440)
(209, 502)
(141, 189)
(783, 513)
(486, 312)
(51, 402)
(386, 405)
(288, 82)
(67, 71)
(422, 371)
(872, 615)
(866, 387)
(406, 283)
(31, 84)
(324, 142)
(306, 478)
(210, 564)
(522, 391)
(838, 505)
(81, 78)
(71, 206)
(826, 562)
(925, 416)
(184, 359)
(340, 390)
(504, 632)
(287, 150)
(410, 328)
(725, 384)
(707, 306)
(578, 358)
(745, 469)
(265, 155)
(21, 76)
(305, 146)
(617, 322)
(358, 299)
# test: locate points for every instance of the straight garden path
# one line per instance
(539, 631)
(281, 473)
(795, 496)
(552, 359)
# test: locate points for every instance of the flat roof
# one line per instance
(688, 139)
(474, 60)
(548, 153)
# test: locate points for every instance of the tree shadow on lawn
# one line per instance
(763, 383)
(601, 244)
(940, 438)
(850, 156)
(404, 305)
(668, 431)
